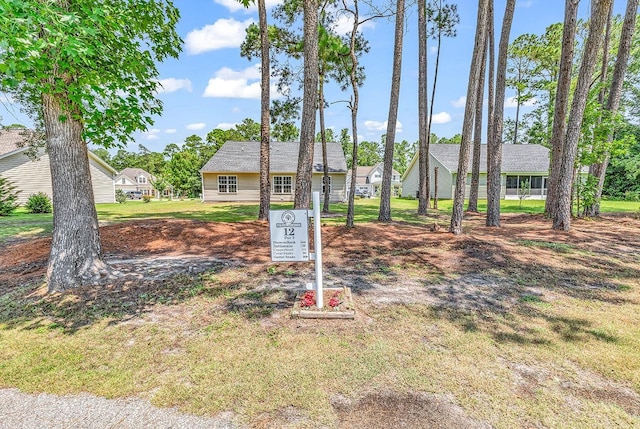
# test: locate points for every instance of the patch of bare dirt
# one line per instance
(413, 410)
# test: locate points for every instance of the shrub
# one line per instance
(39, 203)
(121, 196)
(146, 198)
(632, 196)
(8, 197)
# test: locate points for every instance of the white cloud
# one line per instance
(226, 125)
(460, 102)
(172, 84)
(228, 83)
(170, 131)
(433, 49)
(510, 102)
(344, 25)
(196, 126)
(235, 5)
(441, 118)
(224, 33)
(151, 134)
(524, 3)
(381, 126)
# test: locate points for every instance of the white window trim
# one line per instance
(330, 185)
(282, 185)
(228, 185)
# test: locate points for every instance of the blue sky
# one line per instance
(211, 86)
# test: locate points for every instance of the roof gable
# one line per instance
(14, 141)
(244, 157)
(132, 174)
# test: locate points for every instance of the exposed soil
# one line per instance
(383, 264)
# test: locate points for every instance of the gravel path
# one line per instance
(23, 411)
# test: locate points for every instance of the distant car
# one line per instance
(134, 195)
(363, 193)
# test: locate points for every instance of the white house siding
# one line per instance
(102, 182)
(31, 177)
(410, 183)
(249, 187)
(338, 186)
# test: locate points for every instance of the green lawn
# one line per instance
(21, 224)
(562, 353)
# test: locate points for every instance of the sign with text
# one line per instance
(289, 235)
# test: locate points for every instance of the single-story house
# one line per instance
(33, 175)
(520, 162)
(369, 180)
(233, 173)
(137, 179)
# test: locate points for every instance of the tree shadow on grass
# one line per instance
(30, 307)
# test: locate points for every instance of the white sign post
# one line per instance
(318, 248)
(290, 239)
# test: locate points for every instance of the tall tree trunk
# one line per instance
(353, 106)
(517, 119)
(558, 133)
(435, 188)
(423, 148)
(491, 73)
(467, 125)
(494, 149)
(562, 211)
(265, 138)
(615, 94)
(387, 170)
(304, 173)
(76, 253)
(323, 139)
(477, 135)
(436, 68)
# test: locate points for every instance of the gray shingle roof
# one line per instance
(529, 158)
(244, 157)
(14, 139)
(132, 174)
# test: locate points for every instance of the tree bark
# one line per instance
(477, 135)
(265, 122)
(467, 125)
(76, 253)
(387, 169)
(615, 94)
(423, 148)
(304, 173)
(353, 106)
(562, 211)
(558, 132)
(323, 139)
(494, 149)
(491, 73)
(435, 188)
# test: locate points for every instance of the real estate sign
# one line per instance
(289, 235)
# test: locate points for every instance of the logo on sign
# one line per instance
(288, 218)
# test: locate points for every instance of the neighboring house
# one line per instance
(520, 162)
(369, 180)
(137, 179)
(233, 173)
(31, 176)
